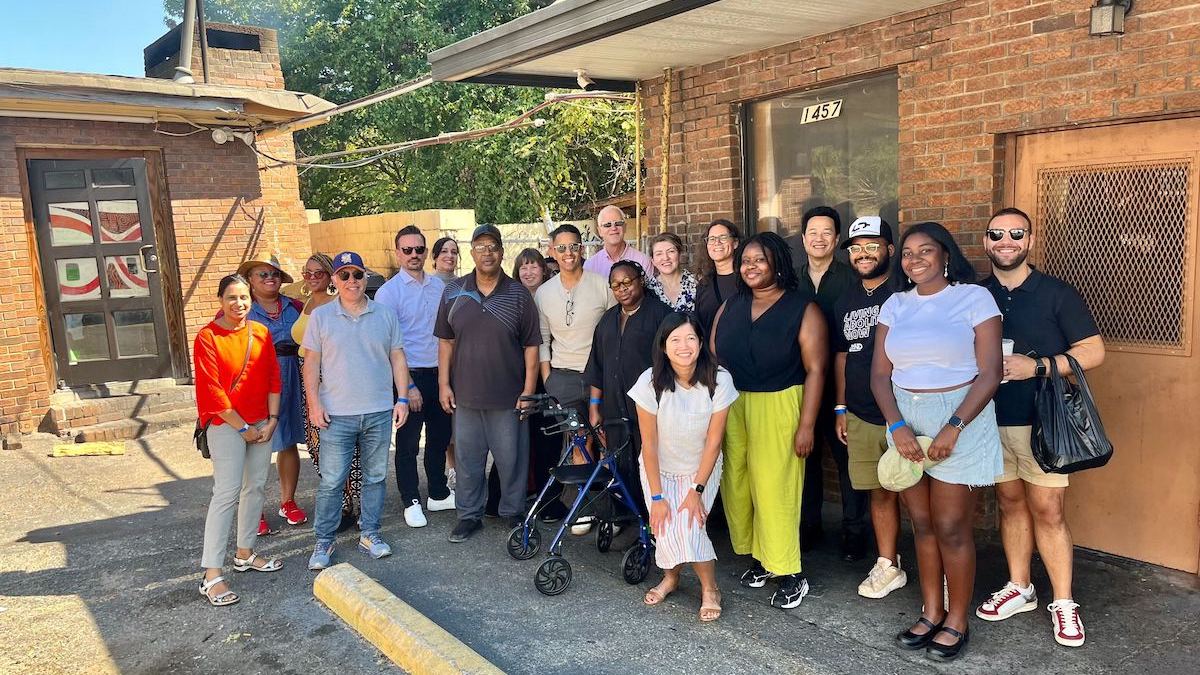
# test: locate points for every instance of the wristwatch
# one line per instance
(957, 422)
(698, 488)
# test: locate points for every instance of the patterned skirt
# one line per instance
(682, 540)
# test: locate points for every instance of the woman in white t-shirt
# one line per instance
(936, 365)
(682, 402)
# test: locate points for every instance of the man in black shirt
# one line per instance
(860, 424)
(1044, 317)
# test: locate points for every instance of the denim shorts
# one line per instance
(977, 458)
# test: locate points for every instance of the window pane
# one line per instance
(126, 278)
(70, 224)
(834, 147)
(78, 279)
(135, 333)
(60, 180)
(87, 337)
(119, 221)
(112, 177)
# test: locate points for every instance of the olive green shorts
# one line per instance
(865, 443)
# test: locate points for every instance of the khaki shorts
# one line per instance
(865, 444)
(1019, 461)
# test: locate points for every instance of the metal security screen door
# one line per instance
(1115, 214)
(99, 267)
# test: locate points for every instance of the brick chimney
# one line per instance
(246, 56)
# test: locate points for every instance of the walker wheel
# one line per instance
(636, 563)
(604, 536)
(553, 576)
(520, 548)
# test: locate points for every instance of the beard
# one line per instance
(1017, 262)
(880, 269)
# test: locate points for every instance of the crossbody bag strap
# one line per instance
(246, 362)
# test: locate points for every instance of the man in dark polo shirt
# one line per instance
(1044, 317)
(488, 337)
(860, 424)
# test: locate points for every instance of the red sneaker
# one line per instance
(264, 528)
(294, 514)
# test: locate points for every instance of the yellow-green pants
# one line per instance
(764, 479)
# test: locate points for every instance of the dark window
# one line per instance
(112, 177)
(60, 180)
(224, 39)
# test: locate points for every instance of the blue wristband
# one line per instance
(656, 498)
(412, 385)
(402, 400)
(896, 425)
(595, 401)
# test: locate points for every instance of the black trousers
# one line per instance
(437, 437)
(855, 503)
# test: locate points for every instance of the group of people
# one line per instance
(728, 379)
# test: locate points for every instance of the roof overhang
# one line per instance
(619, 42)
(52, 94)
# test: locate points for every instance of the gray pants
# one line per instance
(477, 432)
(239, 475)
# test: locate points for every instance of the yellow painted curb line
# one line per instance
(403, 634)
(90, 448)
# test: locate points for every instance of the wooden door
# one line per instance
(1115, 213)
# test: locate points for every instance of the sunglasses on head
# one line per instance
(409, 250)
(269, 274)
(573, 248)
(314, 275)
(996, 234)
(345, 275)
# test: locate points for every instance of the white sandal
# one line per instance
(221, 600)
(272, 565)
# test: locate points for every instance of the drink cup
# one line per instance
(1006, 346)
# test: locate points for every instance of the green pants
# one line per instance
(764, 479)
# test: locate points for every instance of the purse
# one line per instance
(1068, 435)
(200, 435)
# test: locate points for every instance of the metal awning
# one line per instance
(619, 42)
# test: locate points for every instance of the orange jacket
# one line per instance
(218, 354)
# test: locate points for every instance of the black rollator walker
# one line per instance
(599, 477)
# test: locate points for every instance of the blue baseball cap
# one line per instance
(348, 259)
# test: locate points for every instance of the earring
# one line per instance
(304, 291)
(332, 290)
(946, 271)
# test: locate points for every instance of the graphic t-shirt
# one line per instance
(853, 332)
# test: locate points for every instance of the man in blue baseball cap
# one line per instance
(355, 354)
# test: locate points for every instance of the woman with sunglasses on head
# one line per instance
(936, 366)
(318, 290)
(718, 278)
(672, 283)
(445, 259)
(237, 398)
(279, 313)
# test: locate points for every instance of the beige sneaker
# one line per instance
(883, 579)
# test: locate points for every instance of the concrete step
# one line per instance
(65, 419)
(109, 389)
(132, 428)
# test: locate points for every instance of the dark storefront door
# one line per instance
(99, 267)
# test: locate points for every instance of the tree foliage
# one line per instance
(344, 49)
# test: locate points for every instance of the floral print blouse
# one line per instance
(686, 302)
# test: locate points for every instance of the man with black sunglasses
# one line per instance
(611, 227)
(1044, 317)
(414, 296)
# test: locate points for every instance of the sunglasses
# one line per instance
(357, 274)
(618, 285)
(314, 275)
(272, 274)
(409, 250)
(573, 248)
(859, 248)
(486, 248)
(996, 234)
(615, 223)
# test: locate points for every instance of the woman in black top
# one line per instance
(718, 278)
(622, 349)
(772, 339)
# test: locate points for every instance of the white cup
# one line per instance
(1006, 347)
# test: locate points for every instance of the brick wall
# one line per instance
(239, 67)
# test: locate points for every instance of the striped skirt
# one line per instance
(682, 541)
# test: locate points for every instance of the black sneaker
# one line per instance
(553, 512)
(464, 529)
(854, 547)
(756, 577)
(791, 592)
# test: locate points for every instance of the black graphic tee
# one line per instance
(853, 332)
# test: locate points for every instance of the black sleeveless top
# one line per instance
(762, 355)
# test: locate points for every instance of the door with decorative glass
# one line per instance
(99, 264)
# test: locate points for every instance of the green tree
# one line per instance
(344, 49)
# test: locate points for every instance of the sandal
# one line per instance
(271, 564)
(710, 611)
(657, 594)
(220, 600)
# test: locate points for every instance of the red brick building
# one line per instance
(119, 212)
(920, 110)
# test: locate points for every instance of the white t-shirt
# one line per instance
(683, 417)
(931, 338)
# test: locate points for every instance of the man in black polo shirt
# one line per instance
(488, 337)
(1044, 317)
(860, 424)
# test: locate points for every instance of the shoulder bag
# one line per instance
(1067, 433)
(200, 436)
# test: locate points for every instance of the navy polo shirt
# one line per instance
(1043, 316)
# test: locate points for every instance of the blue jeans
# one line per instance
(372, 434)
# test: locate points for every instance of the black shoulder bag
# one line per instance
(1067, 434)
(200, 436)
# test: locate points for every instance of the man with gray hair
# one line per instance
(610, 225)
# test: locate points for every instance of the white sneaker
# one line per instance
(1068, 626)
(446, 504)
(413, 515)
(883, 579)
(583, 526)
(1011, 599)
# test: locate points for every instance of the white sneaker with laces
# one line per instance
(583, 526)
(1012, 599)
(884, 578)
(446, 504)
(1068, 626)
(413, 515)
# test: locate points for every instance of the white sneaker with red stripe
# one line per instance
(1012, 599)
(1068, 626)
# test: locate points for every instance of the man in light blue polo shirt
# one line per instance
(355, 354)
(415, 297)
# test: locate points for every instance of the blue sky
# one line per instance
(88, 36)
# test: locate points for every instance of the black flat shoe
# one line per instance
(911, 641)
(940, 652)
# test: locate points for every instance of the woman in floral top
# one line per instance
(673, 285)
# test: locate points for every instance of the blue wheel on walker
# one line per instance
(636, 563)
(553, 576)
(521, 548)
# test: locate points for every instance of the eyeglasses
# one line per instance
(720, 239)
(409, 250)
(859, 248)
(615, 223)
(357, 274)
(619, 285)
(996, 234)
(570, 310)
(314, 275)
(269, 274)
(485, 248)
(573, 248)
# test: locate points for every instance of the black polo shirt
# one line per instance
(836, 280)
(1043, 316)
(490, 334)
(853, 332)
